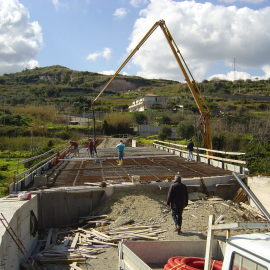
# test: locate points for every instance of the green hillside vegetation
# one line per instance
(37, 103)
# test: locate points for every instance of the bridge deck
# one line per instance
(147, 162)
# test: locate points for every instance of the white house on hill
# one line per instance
(146, 102)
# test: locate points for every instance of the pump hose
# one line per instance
(190, 263)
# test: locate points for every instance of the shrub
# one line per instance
(165, 133)
(117, 123)
(140, 118)
(63, 134)
(185, 130)
(258, 157)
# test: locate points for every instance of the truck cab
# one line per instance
(247, 252)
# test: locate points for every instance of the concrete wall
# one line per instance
(17, 214)
(64, 206)
(260, 185)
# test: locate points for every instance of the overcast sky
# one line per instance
(97, 35)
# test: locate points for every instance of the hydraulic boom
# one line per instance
(193, 87)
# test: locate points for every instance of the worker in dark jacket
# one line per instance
(190, 147)
(177, 201)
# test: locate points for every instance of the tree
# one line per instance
(185, 130)
(166, 120)
(165, 133)
(140, 118)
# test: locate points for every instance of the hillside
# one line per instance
(60, 85)
(57, 82)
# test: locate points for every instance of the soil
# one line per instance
(150, 209)
(145, 208)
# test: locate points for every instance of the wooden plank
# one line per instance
(209, 244)
(60, 260)
(100, 234)
(142, 236)
(74, 266)
(95, 241)
(75, 240)
(93, 217)
(219, 219)
(225, 159)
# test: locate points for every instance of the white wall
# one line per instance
(260, 185)
(17, 214)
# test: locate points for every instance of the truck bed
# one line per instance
(146, 255)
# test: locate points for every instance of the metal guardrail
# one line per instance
(224, 163)
(37, 169)
(42, 155)
(202, 149)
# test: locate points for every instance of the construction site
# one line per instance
(103, 212)
(83, 207)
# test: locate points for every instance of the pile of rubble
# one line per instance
(79, 245)
(137, 215)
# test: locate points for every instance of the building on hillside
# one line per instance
(147, 102)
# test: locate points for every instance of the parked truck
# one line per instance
(239, 252)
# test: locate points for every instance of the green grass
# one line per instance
(9, 167)
(145, 141)
(69, 127)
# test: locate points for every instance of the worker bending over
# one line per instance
(75, 148)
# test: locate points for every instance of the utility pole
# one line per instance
(4, 112)
(94, 126)
(234, 69)
(234, 77)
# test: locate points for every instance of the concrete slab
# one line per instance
(149, 163)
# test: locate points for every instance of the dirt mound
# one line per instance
(147, 208)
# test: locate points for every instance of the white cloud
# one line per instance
(106, 54)
(111, 72)
(20, 39)
(266, 70)
(120, 13)
(107, 72)
(137, 3)
(206, 35)
(56, 3)
(232, 76)
(243, 1)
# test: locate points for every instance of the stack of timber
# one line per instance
(240, 196)
(77, 246)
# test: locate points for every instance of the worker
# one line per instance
(75, 148)
(91, 145)
(190, 147)
(121, 149)
(177, 200)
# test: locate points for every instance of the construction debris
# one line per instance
(82, 244)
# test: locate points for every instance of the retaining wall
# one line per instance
(260, 185)
(64, 206)
(17, 214)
